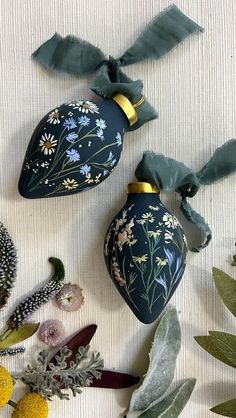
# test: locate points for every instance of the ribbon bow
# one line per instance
(171, 175)
(78, 57)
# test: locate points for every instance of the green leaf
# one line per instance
(226, 287)
(226, 343)
(207, 344)
(173, 404)
(17, 336)
(161, 368)
(227, 409)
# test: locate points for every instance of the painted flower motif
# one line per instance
(146, 217)
(73, 155)
(153, 207)
(161, 261)
(70, 184)
(97, 178)
(52, 332)
(140, 259)
(89, 178)
(48, 144)
(162, 281)
(84, 121)
(70, 298)
(86, 106)
(100, 134)
(154, 234)
(70, 123)
(45, 164)
(71, 137)
(53, 117)
(119, 139)
(170, 256)
(85, 169)
(105, 172)
(70, 113)
(117, 273)
(168, 236)
(101, 123)
(170, 221)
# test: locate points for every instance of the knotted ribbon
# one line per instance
(78, 57)
(171, 175)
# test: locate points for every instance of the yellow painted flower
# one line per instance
(6, 386)
(140, 259)
(161, 261)
(31, 405)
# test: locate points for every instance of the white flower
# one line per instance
(100, 134)
(48, 144)
(53, 117)
(153, 207)
(119, 139)
(70, 184)
(161, 261)
(85, 106)
(101, 123)
(168, 236)
(169, 220)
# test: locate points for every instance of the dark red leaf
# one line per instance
(114, 380)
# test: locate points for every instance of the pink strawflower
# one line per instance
(70, 297)
(52, 332)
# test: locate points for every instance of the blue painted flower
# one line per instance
(119, 139)
(113, 162)
(70, 124)
(85, 169)
(84, 121)
(100, 134)
(170, 256)
(179, 268)
(105, 172)
(71, 137)
(162, 281)
(110, 157)
(101, 124)
(73, 155)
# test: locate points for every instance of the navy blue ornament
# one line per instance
(75, 147)
(145, 252)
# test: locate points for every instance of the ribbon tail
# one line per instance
(221, 164)
(195, 218)
(70, 55)
(163, 33)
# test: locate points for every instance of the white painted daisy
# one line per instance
(169, 220)
(53, 117)
(86, 106)
(70, 184)
(48, 144)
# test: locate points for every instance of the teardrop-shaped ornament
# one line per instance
(145, 252)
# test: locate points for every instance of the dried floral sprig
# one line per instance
(12, 351)
(8, 265)
(47, 378)
(31, 304)
(70, 298)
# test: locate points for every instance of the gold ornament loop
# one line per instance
(139, 102)
(142, 187)
(127, 108)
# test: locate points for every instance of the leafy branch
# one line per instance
(222, 345)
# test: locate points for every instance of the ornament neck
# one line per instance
(127, 107)
(142, 187)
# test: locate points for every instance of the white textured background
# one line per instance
(194, 89)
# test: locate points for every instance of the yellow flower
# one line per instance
(6, 386)
(31, 405)
(89, 178)
(161, 261)
(141, 259)
(154, 234)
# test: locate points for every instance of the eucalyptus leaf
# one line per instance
(16, 336)
(227, 409)
(163, 354)
(226, 287)
(226, 343)
(207, 343)
(173, 404)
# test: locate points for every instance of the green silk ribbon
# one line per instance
(171, 175)
(79, 58)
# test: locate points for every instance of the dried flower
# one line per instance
(6, 386)
(12, 351)
(8, 263)
(70, 297)
(49, 378)
(52, 332)
(31, 405)
(31, 304)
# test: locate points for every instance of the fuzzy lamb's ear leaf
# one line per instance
(206, 342)
(226, 287)
(227, 409)
(173, 404)
(16, 336)
(226, 343)
(163, 354)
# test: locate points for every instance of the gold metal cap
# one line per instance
(127, 108)
(142, 187)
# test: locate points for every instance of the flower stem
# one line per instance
(13, 404)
